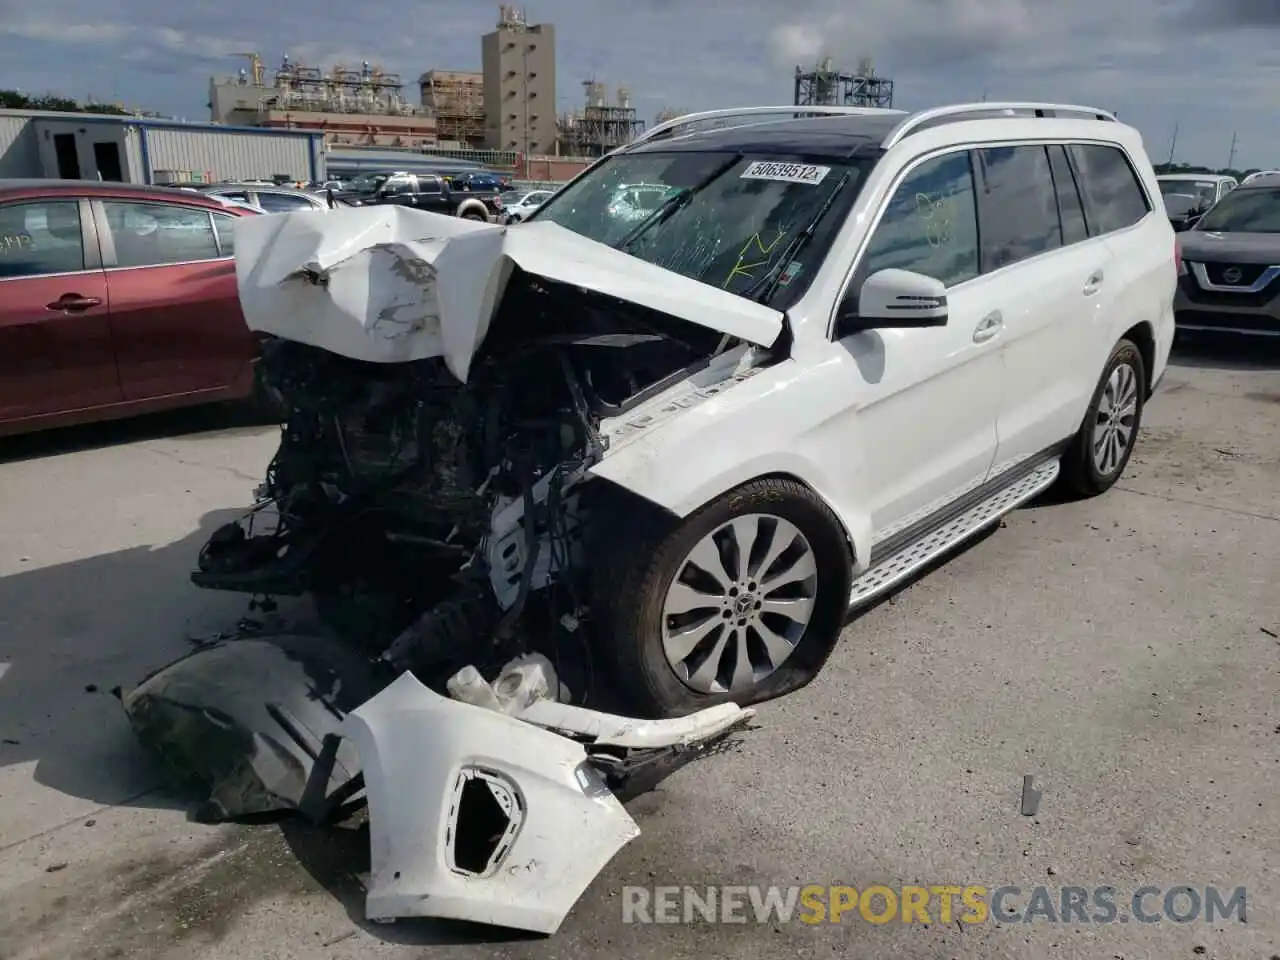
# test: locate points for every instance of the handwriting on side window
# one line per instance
(13, 243)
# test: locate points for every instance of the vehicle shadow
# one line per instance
(1208, 351)
(227, 419)
(71, 633)
(891, 596)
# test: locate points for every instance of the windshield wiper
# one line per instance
(770, 281)
(665, 210)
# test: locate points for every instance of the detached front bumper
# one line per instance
(503, 813)
(498, 806)
(475, 815)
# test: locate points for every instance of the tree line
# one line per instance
(13, 100)
(1162, 168)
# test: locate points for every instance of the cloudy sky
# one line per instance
(1209, 66)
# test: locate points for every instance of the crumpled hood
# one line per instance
(1202, 245)
(389, 284)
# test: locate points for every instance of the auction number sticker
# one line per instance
(785, 172)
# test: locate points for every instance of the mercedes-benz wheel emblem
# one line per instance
(1233, 275)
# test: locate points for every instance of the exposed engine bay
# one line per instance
(423, 513)
(442, 513)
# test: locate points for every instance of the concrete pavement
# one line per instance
(1122, 650)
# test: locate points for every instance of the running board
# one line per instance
(912, 558)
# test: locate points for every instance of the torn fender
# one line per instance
(389, 284)
(476, 815)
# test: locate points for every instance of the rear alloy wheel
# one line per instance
(742, 601)
(1101, 449)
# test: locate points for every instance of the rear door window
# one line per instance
(1113, 194)
(1070, 206)
(1019, 208)
(40, 238)
(154, 234)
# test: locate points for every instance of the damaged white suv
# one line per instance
(843, 341)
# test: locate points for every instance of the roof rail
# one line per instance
(984, 111)
(670, 128)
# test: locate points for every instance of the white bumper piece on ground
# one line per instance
(390, 284)
(480, 813)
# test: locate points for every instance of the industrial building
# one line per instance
(824, 85)
(456, 99)
(351, 107)
(128, 149)
(518, 63)
(599, 126)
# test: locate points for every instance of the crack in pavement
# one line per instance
(81, 817)
(221, 468)
(1196, 503)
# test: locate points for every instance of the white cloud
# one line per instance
(1208, 65)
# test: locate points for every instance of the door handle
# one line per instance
(991, 324)
(74, 302)
(1093, 283)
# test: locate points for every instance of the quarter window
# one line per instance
(153, 234)
(1019, 207)
(930, 225)
(1113, 195)
(40, 238)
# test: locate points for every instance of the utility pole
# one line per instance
(984, 94)
(1173, 144)
(1231, 157)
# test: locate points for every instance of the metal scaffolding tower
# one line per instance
(826, 86)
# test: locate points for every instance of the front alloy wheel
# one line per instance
(740, 602)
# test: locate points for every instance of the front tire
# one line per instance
(1100, 451)
(742, 602)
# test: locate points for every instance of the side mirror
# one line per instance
(895, 299)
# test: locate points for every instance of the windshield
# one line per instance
(1202, 190)
(366, 182)
(724, 219)
(1245, 211)
(1180, 204)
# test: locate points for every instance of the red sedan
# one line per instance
(116, 300)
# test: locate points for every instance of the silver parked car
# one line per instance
(270, 198)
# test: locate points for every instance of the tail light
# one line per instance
(497, 202)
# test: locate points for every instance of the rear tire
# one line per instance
(1100, 451)
(766, 626)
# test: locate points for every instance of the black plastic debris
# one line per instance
(244, 721)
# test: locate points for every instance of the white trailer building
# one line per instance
(86, 146)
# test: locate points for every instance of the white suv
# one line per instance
(847, 340)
